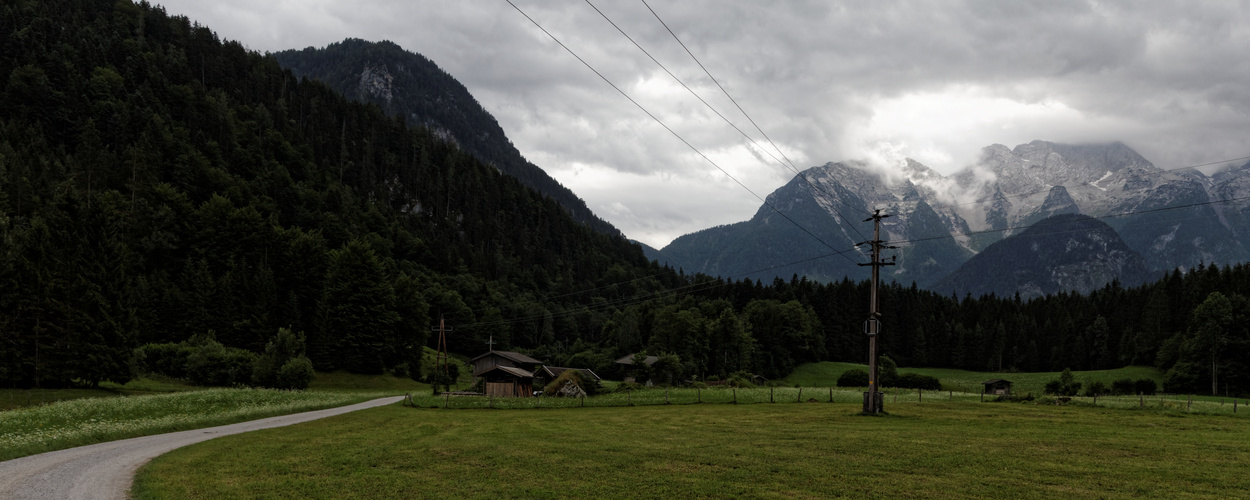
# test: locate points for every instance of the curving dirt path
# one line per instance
(106, 470)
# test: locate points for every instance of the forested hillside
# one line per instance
(406, 84)
(158, 184)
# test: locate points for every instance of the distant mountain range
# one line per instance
(954, 231)
(409, 85)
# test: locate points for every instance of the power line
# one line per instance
(791, 165)
(670, 130)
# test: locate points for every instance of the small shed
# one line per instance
(545, 374)
(508, 382)
(998, 387)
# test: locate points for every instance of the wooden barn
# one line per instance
(507, 373)
(997, 387)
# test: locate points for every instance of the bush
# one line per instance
(1183, 378)
(1124, 386)
(213, 364)
(296, 374)
(1096, 388)
(887, 372)
(739, 379)
(1146, 386)
(853, 378)
(285, 347)
(167, 359)
(918, 381)
(1065, 386)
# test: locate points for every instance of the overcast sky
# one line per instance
(826, 81)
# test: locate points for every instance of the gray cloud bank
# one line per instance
(828, 81)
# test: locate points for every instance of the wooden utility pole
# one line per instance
(441, 358)
(873, 399)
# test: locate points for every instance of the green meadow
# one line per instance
(811, 450)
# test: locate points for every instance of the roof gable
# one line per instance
(515, 357)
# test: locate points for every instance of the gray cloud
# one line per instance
(828, 81)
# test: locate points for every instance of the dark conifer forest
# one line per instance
(159, 185)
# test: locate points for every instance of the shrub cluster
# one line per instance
(853, 378)
(202, 360)
(918, 381)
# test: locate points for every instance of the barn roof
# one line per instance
(510, 370)
(629, 360)
(996, 381)
(555, 371)
(514, 356)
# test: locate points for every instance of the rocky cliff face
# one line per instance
(1166, 219)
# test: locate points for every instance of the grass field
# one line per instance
(825, 374)
(40, 420)
(817, 450)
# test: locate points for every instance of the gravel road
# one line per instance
(106, 470)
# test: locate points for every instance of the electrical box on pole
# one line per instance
(874, 399)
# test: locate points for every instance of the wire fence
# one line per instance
(827, 395)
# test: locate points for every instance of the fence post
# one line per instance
(830, 394)
(583, 401)
(800, 400)
(770, 395)
(1095, 400)
(446, 399)
(1141, 399)
(952, 396)
(1234, 406)
(665, 395)
(919, 395)
(1190, 404)
(735, 395)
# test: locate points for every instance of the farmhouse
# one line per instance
(997, 387)
(506, 373)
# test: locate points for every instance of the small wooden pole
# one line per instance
(1190, 404)
(800, 395)
(735, 389)
(830, 394)
(770, 395)
(446, 399)
(665, 395)
(1141, 399)
(1234, 406)
(952, 396)
(583, 401)
(1095, 400)
(920, 395)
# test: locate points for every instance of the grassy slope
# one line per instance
(825, 374)
(930, 450)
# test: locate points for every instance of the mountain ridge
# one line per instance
(408, 84)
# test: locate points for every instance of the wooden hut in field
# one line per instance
(507, 373)
(997, 387)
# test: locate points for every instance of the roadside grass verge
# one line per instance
(78, 422)
(18, 398)
(825, 374)
(920, 450)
